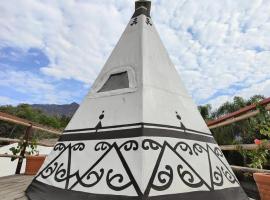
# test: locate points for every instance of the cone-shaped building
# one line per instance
(137, 134)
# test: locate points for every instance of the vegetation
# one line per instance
(25, 111)
(255, 129)
(255, 158)
(31, 148)
(244, 131)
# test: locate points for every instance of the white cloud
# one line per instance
(34, 88)
(218, 46)
(77, 36)
(8, 101)
(259, 88)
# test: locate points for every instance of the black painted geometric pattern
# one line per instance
(161, 178)
(134, 21)
(148, 21)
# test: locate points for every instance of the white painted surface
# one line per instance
(156, 91)
(8, 167)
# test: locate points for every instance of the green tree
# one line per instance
(205, 111)
(247, 129)
(25, 111)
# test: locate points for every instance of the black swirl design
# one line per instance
(59, 147)
(165, 178)
(103, 146)
(118, 178)
(188, 177)
(197, 148)
(93, 177)
(60, 174)
(184, 147)
(218, 152)
(161, 179)
(78, 146)
(230, 177)
(148, 143)
(130, 145)
(218, 178)
(49, 170)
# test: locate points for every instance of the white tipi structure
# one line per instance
(137, 134)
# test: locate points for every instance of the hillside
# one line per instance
(57, 110)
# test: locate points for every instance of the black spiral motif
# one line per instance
(230, 177)
(119, 177)
(59, 147)
(60, 174)
(148, 143)
(102, 146)
(184, 147)
(93, 176)
(130, 145)
(188, 178)
(165, 178)
(218, 152)
(49, 170)
(197, 148)
(78, 146)
(218, 178)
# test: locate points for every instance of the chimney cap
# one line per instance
(142, 7)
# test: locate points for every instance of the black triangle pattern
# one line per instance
(184, 172)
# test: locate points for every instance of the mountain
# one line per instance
(59, 110)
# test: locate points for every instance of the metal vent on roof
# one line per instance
(115, 82)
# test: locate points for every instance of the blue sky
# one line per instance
(52, 51)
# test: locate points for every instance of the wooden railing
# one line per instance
(239, 115)
(249, 170)
(13, 119)
(246, 147)
(237, 119)
(10, 141)
(243, 113)
(243, 146)
(26, 138)
(4, 155)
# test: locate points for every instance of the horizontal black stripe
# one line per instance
(41, 191)
(135, 124)
(174, 127)
(135, 132)
(105, 127)
(125, 133)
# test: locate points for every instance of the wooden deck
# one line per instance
(13, 187)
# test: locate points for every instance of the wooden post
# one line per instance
(25, 144)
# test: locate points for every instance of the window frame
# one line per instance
(104, 78)
(113, 77)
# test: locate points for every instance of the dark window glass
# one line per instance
(116, 81)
